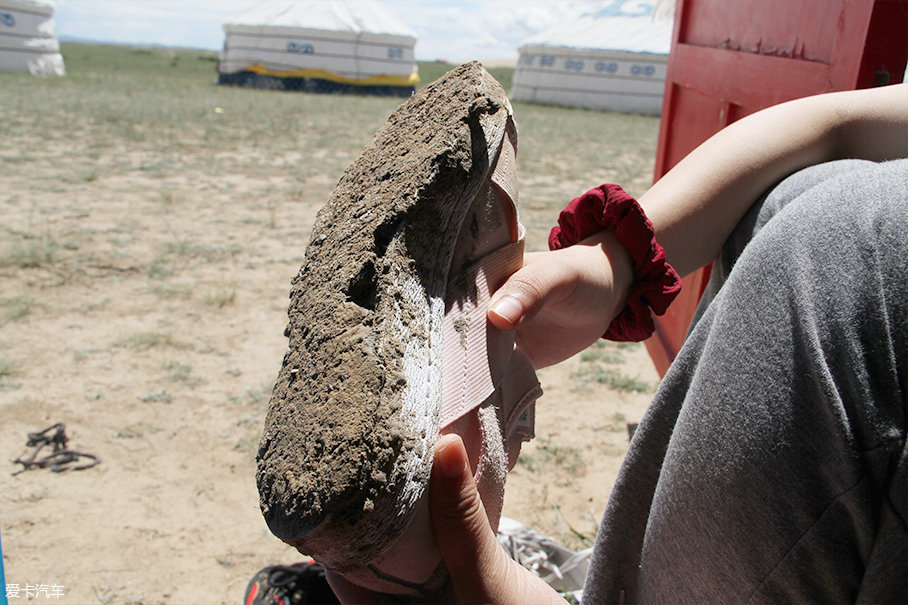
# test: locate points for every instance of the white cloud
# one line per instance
(482, 29)
(189, 23)
(453, 30)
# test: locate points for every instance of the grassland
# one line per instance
(150, 223)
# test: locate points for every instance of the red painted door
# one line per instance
(730, 58)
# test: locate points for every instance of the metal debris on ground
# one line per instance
(59, 458)
(560, 567)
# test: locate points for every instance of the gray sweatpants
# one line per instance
(771, 466)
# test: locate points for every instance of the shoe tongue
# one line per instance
(475, 354)
(505, 173)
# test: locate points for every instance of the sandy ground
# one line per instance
(145, 310)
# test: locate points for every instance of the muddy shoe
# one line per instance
(389, 345)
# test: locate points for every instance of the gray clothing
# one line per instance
(771, 466)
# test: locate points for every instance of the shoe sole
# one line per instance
(348, 443)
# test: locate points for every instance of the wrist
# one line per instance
(610, 257)
(654, 283)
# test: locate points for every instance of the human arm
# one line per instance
(697, 204)
(561, 303)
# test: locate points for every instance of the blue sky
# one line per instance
(452, 30)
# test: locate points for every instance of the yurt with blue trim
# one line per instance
(28, 38)
(611, 59)
(352, 46)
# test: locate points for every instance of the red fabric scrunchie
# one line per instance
(656, 283)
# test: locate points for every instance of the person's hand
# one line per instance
(481, 571)
(561, 302)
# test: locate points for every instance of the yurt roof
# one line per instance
(44, 7)
(353, 16)
(630, 26)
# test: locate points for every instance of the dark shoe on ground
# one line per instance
(302, 583)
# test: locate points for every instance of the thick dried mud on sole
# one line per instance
(333, 432)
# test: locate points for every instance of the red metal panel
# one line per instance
(745, 75)
(732, 58)
(882, 63)
(783, 28)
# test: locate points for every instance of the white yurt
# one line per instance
(319, 46)
(28, 38)
(611, 59)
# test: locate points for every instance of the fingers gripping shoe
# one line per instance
(389, 345)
